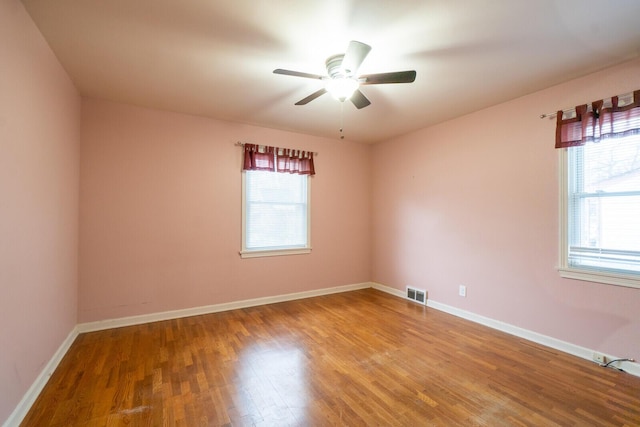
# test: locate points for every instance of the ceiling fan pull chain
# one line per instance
(342, 120)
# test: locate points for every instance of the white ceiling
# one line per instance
(216, 57)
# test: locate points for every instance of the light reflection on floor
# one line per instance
(272, 380)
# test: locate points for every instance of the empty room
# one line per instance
(309, 213)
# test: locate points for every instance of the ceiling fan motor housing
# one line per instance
(334, 66)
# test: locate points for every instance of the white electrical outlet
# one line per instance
(599, 358)
(462, 291)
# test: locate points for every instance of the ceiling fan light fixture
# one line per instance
(341, 88)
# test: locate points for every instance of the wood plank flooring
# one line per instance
(355, 358)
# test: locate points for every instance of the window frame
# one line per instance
(257, 253)
(565, 269)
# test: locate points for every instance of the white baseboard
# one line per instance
(576, 350)
(32, 394)
(215, 308)
(387, 289)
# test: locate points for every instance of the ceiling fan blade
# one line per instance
(353, 58)
(359, 100)
(298, 74)
(383, 78)
(311, 97)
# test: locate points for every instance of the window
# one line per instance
(601, 211)
(275, 201)
(275, 213)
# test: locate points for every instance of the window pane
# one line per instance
(276, 210)
(612, 165)
(610, 222)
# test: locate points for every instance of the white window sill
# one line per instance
(274, 252)
(627, 280)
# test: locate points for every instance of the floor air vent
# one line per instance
(417, 295)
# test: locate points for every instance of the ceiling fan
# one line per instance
(342, 80)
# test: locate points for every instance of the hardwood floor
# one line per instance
(356, 358)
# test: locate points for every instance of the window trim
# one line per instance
(258, 253)
(564, 269)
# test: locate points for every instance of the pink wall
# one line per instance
(160, 205)
(474, 201)
(158, 226)
(39, 171)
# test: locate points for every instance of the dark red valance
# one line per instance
(598, 122)
(276, 159)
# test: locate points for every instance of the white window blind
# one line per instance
(603, 206)
(276, 212)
